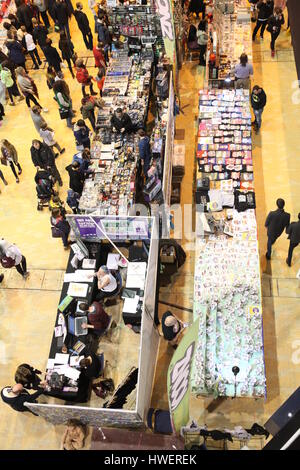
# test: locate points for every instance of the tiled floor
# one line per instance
(28, 309)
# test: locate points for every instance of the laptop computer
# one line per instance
(74, 326)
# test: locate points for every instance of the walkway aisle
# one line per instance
(277, 172)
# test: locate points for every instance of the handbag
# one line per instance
(7, 262)
(55, 232)
(63, 113)
(4, 161)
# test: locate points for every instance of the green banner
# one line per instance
(179, 377)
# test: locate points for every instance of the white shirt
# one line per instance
(112, 284)
(48, 137)
(30, 46)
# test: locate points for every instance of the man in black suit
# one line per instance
(276, 222)
(294, 236)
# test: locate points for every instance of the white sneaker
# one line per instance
(45, 110)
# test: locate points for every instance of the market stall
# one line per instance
(96, 238)
(229, 360)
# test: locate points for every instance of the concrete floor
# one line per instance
(28, 309)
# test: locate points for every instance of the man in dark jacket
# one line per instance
(258, 102)
(24, 15)
(293, 232)
(43, 157)
(144, 150)
(121, 122)
(84, 26)
(76, 178)
(62, 16)
(17, 396)
(276, 222)
(40, 34)
(52, 56)
(265, 10)
(16, 55)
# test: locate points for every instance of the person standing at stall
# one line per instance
(274, 27)
(202, 38)
(76, 177)
(121, 122)
(144, 151)
(275, 224)
(242, 73)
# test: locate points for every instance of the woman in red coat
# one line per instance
(83, 77)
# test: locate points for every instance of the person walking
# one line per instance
(62, 96)
(10, 256)
(84, 26)
(88, 106)
(67, 50)
(202, 38)
(83, 77)
(39, 33)
(52, 56)
(37, 118)
(265, 10)
(274, 27)
(258, 102)
(293, 232)
(15, 51)
(29, 45)
(42, 8)
(3, 179)
(242, 73)
(43, 157)
(62, 16)
(10, 155)
(276, 222)
(76, 177)
(7, 80)
(47, 135)
(28, 88)
(24, 14)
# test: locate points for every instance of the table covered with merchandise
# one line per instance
(227, 292)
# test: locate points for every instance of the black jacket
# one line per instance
(43, 157)
(258, 101)
(17, 403)
(294, 232)
(125, 122)
(40, 34)
(42, 175)
(61, 13)
(33, 379)
(76, 179)
(265, 10)
(276, 222)
(52, 56)
(94, 370)
(82, 21)
(275, 22)
(24, 15)
(67, 48)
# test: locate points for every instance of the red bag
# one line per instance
(7, 262)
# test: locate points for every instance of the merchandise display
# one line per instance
(227, 295)
(6, 7)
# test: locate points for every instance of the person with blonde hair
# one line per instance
(10, 155)
(74, 435)
(172, 328)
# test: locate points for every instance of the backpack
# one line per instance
(7, 262)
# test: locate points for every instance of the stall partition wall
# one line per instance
(168, 160)
(59, 414)
(294, 17)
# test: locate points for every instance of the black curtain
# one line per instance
(294, 16)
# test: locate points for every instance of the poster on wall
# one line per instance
(165, 11)
(179, 377)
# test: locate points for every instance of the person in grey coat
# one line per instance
(37, 117)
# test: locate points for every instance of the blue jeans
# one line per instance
(258, 113)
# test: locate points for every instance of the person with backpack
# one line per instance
(29, 45)
(83, 77)
(67, 50)
(274, 27)
(84, 26)
(82, 135)
(15, 51)
(11, 256)
(88, 106)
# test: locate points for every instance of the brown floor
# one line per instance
(28, 309)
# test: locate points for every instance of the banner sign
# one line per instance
(179, 377)
(165, 11)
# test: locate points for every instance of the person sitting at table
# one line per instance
(28, 376)
(107, 283)
(98, 320)
(171, 328)
(121, 122)
(93, 365)
(74, 435)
